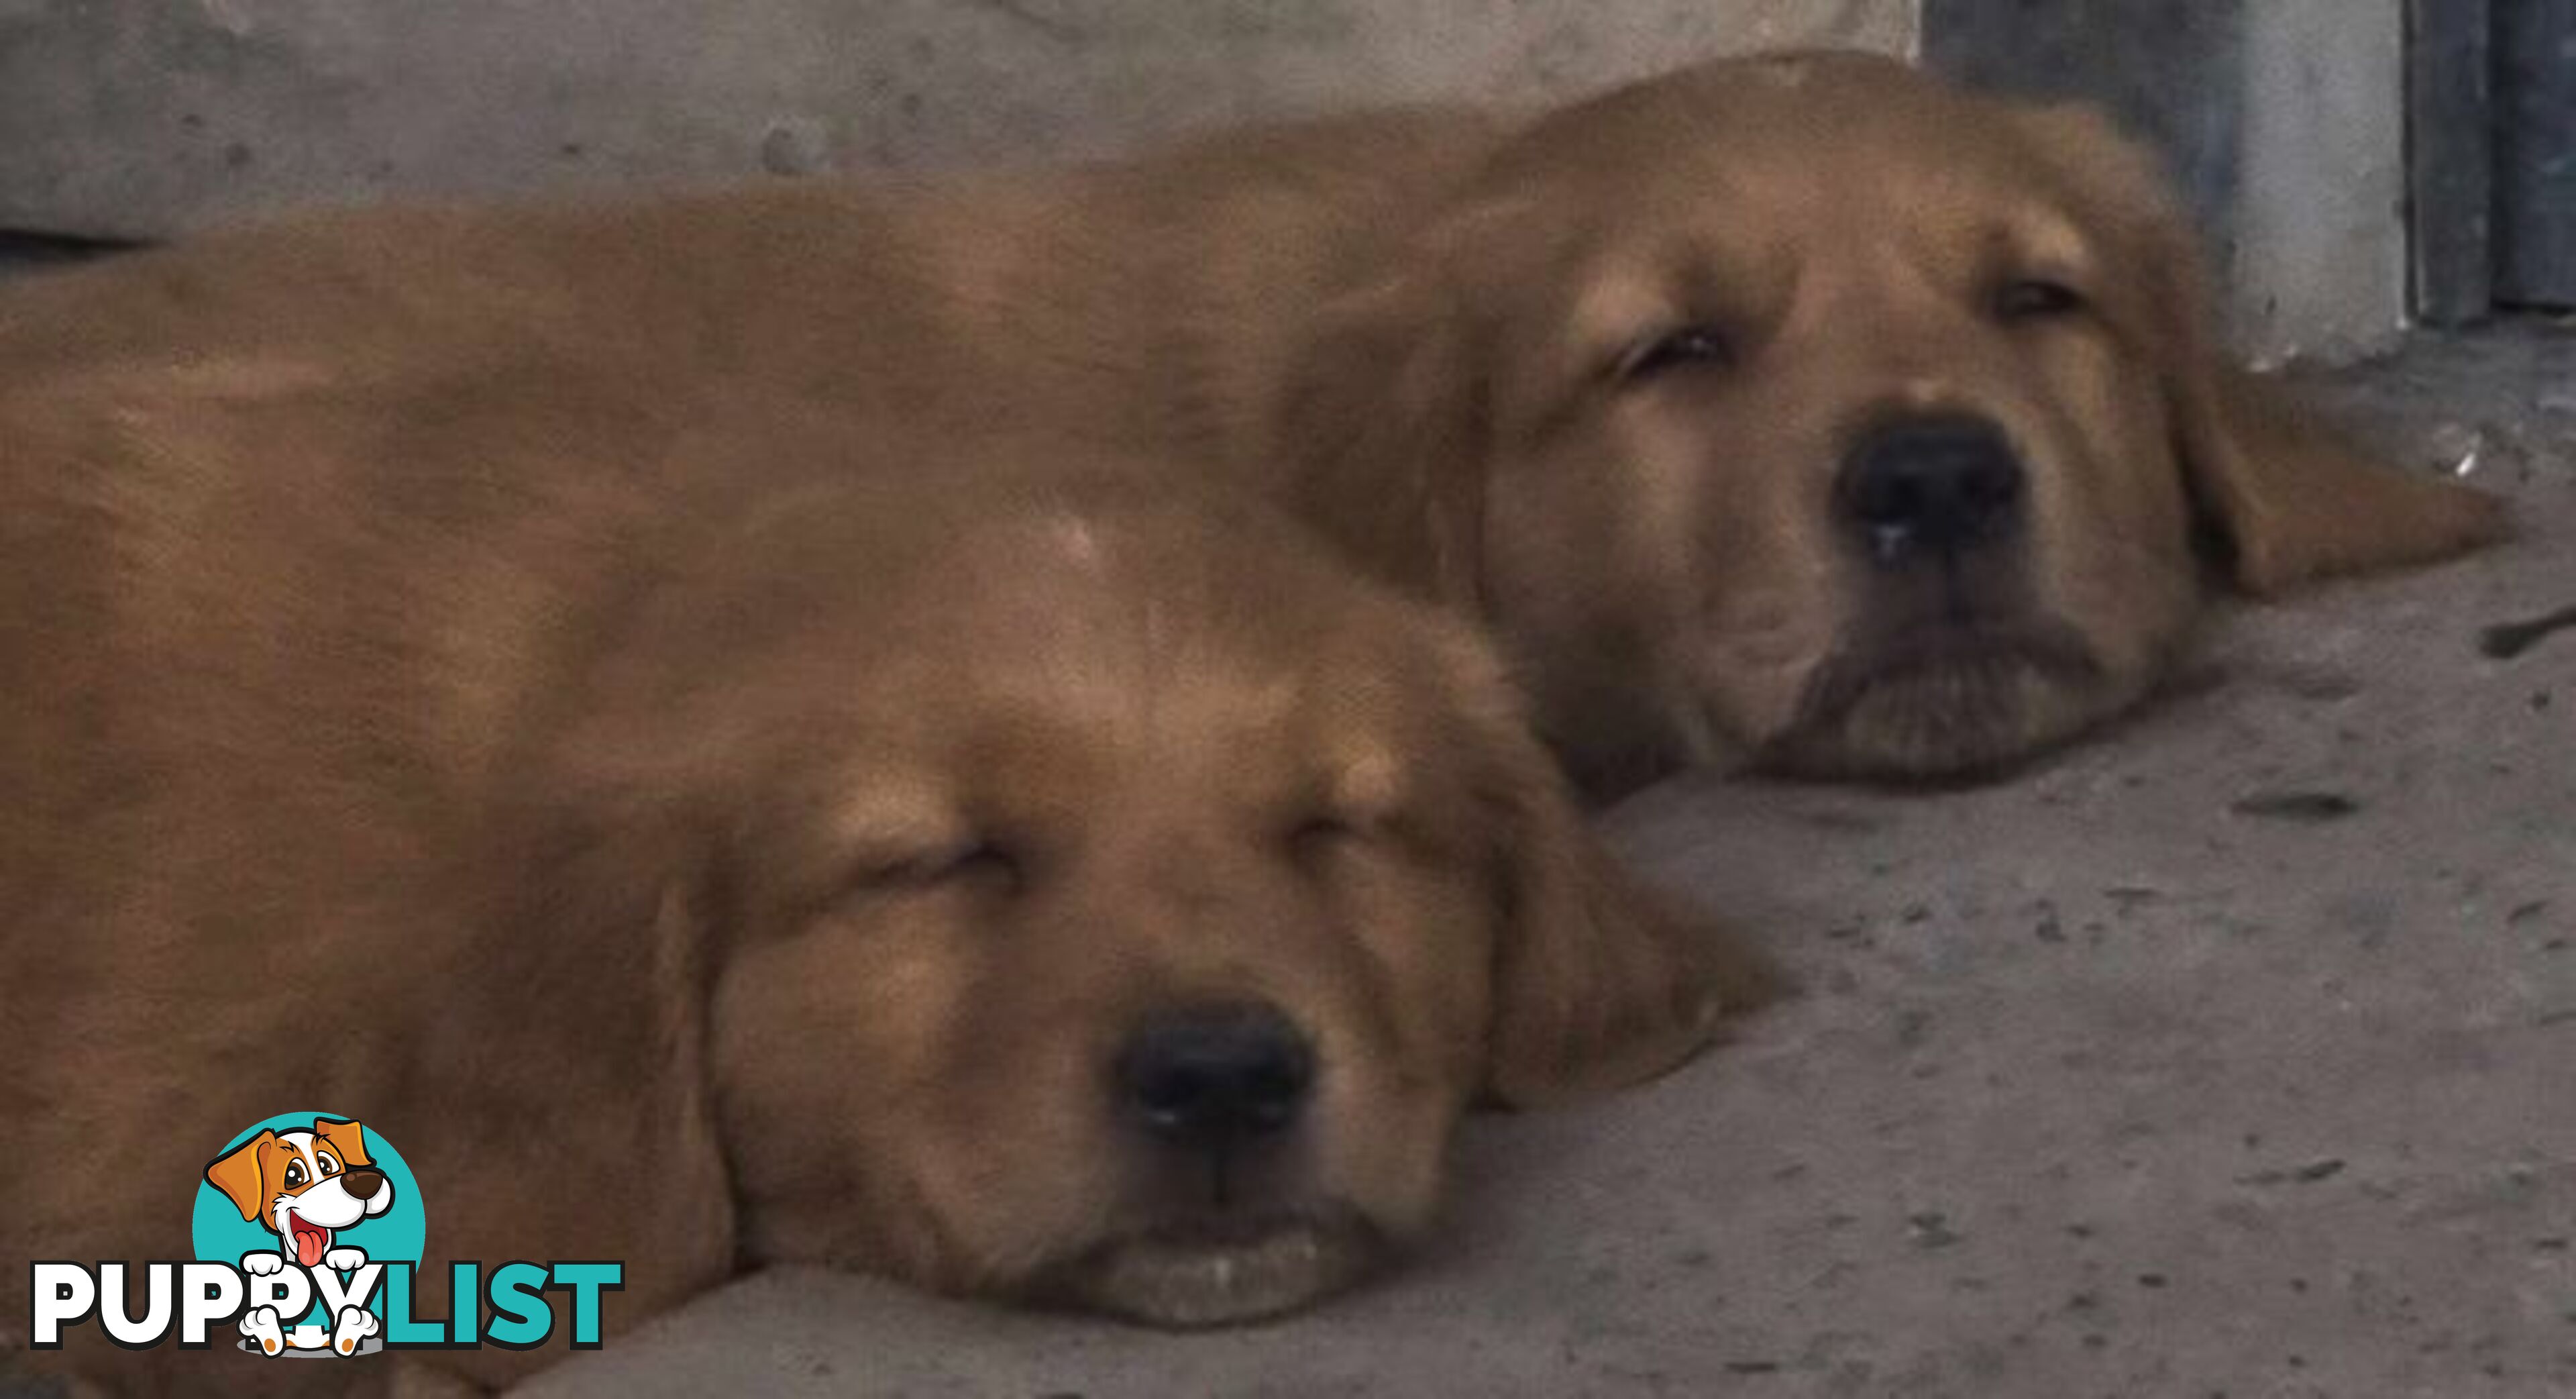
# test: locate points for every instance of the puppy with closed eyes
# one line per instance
(723, 834)
(1809, 411)
(1801, 410)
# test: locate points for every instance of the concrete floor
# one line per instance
(2227, 1056)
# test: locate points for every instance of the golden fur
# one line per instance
(1419, 329)
(698, 829)
(1833, 242)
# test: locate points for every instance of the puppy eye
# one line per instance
(1704, 346)
(294, 1174)
(1318, 834)
(983, 864)
(2036, 298)
(330, 1167)
(1314, 842)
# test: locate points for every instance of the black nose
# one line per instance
(1939, 483)
(1215, 1076)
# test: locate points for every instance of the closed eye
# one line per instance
(1688, 347)
(1319, 835)
(2025, 299)
(982, 865)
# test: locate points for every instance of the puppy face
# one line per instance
(1127, 920)
(305, 1186)
(1808, 409)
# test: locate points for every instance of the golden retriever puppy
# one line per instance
(702, 832)
(1809, 409)
(1801, 410)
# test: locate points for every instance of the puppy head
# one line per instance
(1810, 409)
(304, 1185)
(1122, 905)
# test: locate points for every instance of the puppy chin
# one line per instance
(1960, 711)
(1220, 1271)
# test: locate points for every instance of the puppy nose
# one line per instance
(1940, 483)
(363, 1181)
(1216, 1075)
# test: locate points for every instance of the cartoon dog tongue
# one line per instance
(311, 1240)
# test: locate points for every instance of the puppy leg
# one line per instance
(261, 1326)
(356, 1324)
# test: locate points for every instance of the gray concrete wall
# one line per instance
(141, 117)
(2320, 261)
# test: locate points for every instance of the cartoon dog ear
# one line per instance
(1597, 982)
(347, 1140)
(240, 1174)
(2287, 499)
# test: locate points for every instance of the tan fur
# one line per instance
(1665, 554)
(588, 791)
(1404, 325)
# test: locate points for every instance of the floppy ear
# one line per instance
(2288, 499)
(1598, 983)
(347, 1140)
(606, 896)
(2292, 501)
(237, 1174)
(1382, 425)
(596, 960)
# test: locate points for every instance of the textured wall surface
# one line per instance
(2320, 262)
(137, 117)
(2535, 76)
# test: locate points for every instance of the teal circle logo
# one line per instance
(318, 1192)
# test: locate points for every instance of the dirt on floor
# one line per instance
(2232, 1054)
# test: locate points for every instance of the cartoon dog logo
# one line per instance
(305, 1187)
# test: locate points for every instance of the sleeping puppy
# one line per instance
(1800, 410)
(1810, 410)
(1053, 885)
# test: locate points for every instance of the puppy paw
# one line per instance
(356, 1324)
(260, 1265)
(260, 1324)
(345, 1260)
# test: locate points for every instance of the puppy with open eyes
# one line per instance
(1799, 410)
(717, 834)
(304, 1186)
